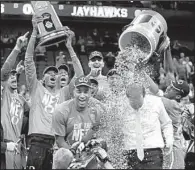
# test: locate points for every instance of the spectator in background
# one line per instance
(89, 42)
(11, 41)
(182, 56)
(95, 36)
(106, 39)
(61, 59)
(109, 62)
(189, 68)
(40, 51)
(5, 39)
(81, 44)
(181, 70)
(115, 41)
(19, 34)
(81, 40)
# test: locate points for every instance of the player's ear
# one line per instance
(90, 64)
(74, 91)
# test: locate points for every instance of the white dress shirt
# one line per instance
(154, 121)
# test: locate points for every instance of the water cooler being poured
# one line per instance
(145, 31)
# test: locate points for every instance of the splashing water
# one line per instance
(138, 41)
(112, 121)
(126, 62)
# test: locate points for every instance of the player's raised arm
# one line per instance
(30, 70)
(76, 63)
(168, 61)
(11, 59)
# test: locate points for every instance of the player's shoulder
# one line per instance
(64, 106)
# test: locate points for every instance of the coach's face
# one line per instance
(50, 78)
(136, 97)
(12, 81)
(82, 95)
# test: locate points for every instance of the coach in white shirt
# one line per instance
(147, 129)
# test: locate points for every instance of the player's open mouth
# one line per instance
(52, 79)
(63, 79)
(13, 81)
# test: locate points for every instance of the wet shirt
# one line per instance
(72, 124)
(154, 118)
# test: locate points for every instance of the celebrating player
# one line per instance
(76, 120)
(44, 98)
(12, 105)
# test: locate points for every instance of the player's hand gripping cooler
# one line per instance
(92, 156)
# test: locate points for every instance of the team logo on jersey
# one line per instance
(80, 130)
(16, 111)
(49, 102)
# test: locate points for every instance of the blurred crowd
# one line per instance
(107, 43)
